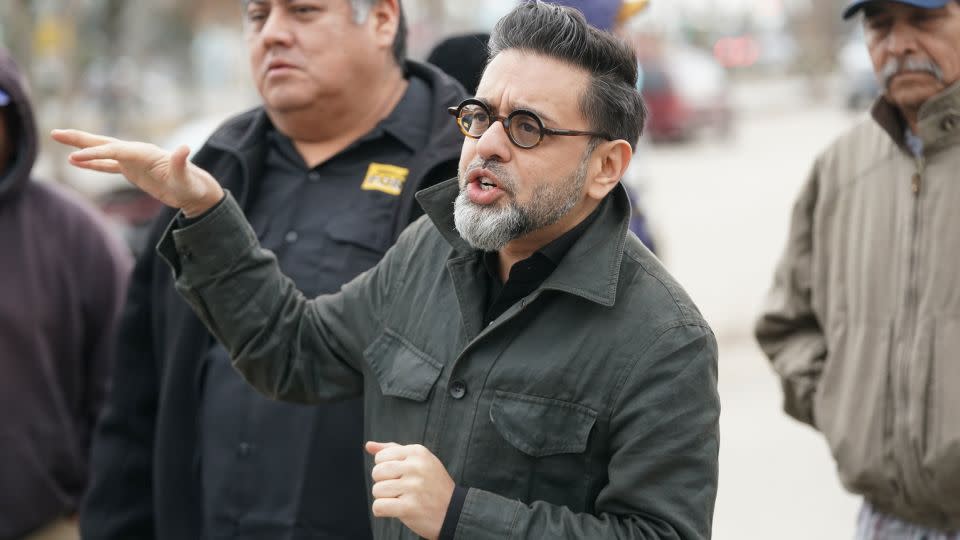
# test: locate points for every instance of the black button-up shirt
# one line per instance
(281, 470)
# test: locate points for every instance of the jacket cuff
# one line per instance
(488, 515)
(798, 397)
(449, 528)
(209, 244)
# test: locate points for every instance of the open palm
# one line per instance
(166, 176)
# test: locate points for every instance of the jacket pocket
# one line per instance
(942, 456)
(540, 426)
(533, 448)
(405, 376)
(852, 405)
(401, 369)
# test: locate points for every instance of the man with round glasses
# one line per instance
(528, 368)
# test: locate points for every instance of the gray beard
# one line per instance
(492, 228)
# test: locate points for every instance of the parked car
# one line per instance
(686, 91)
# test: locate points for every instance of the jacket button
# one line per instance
(458, 389)
(291, 237)
(244, 449)
(313, 176)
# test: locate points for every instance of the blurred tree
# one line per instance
(819, 32)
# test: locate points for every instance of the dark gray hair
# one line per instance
(612, 104)
(361, 8)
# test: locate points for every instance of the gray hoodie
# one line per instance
(62, 281)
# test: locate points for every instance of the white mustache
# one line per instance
(894, 67)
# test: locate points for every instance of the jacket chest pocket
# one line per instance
(533, 448)
(405, 376)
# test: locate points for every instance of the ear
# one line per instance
(384, 18)
(610, 161)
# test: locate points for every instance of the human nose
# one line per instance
(901, 40)
(275, 30)
(494, 143)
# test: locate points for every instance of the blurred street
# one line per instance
(720, 211)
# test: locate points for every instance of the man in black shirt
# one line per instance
(326, 170)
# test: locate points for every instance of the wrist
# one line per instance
(204, 203)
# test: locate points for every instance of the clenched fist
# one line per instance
(412, 485)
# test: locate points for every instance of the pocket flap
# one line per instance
(402, 370)
(539, 426)
(356, 230)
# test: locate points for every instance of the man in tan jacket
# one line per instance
(863, 322)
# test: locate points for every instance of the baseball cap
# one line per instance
(4, 98)
(856, 5)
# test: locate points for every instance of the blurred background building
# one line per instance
(743, 94)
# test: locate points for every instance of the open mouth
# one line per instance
(484, 179)
(487, 185)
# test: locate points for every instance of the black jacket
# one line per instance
(145, 459)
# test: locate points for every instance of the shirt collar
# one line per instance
(408, 121)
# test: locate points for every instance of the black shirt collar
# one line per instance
(528, 274)
(407, 123)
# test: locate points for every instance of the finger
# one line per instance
(388, 489)
(373, 448)
(389, 507)
(122, 151)
(388, 471)
(99, 165)
(79, 139)
(392, 453)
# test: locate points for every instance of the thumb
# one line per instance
(178, 161)
(373, 448)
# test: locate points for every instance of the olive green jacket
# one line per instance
(589, 409)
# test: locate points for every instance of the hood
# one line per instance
(21, 128)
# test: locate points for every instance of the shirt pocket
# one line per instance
(404, 376)
(360, 240)
(533, 448)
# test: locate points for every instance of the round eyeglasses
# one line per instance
(524, 128)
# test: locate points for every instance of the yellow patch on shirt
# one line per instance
(386, 178)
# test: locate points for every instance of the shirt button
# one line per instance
(458, 389)
(291, 237)
(244, 449)
(313, 176)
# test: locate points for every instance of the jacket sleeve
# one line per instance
(288, 347)
(663, 468)
(119, 500)
(788, 330)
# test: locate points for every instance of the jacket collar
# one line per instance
(591, 269)
(938, 120)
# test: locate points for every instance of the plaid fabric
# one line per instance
(873, 525)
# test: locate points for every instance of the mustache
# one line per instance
(505, 181)
(895, 67)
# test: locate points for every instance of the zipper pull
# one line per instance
(917, 181)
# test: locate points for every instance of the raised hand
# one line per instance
(411, 484)
(167, 176)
